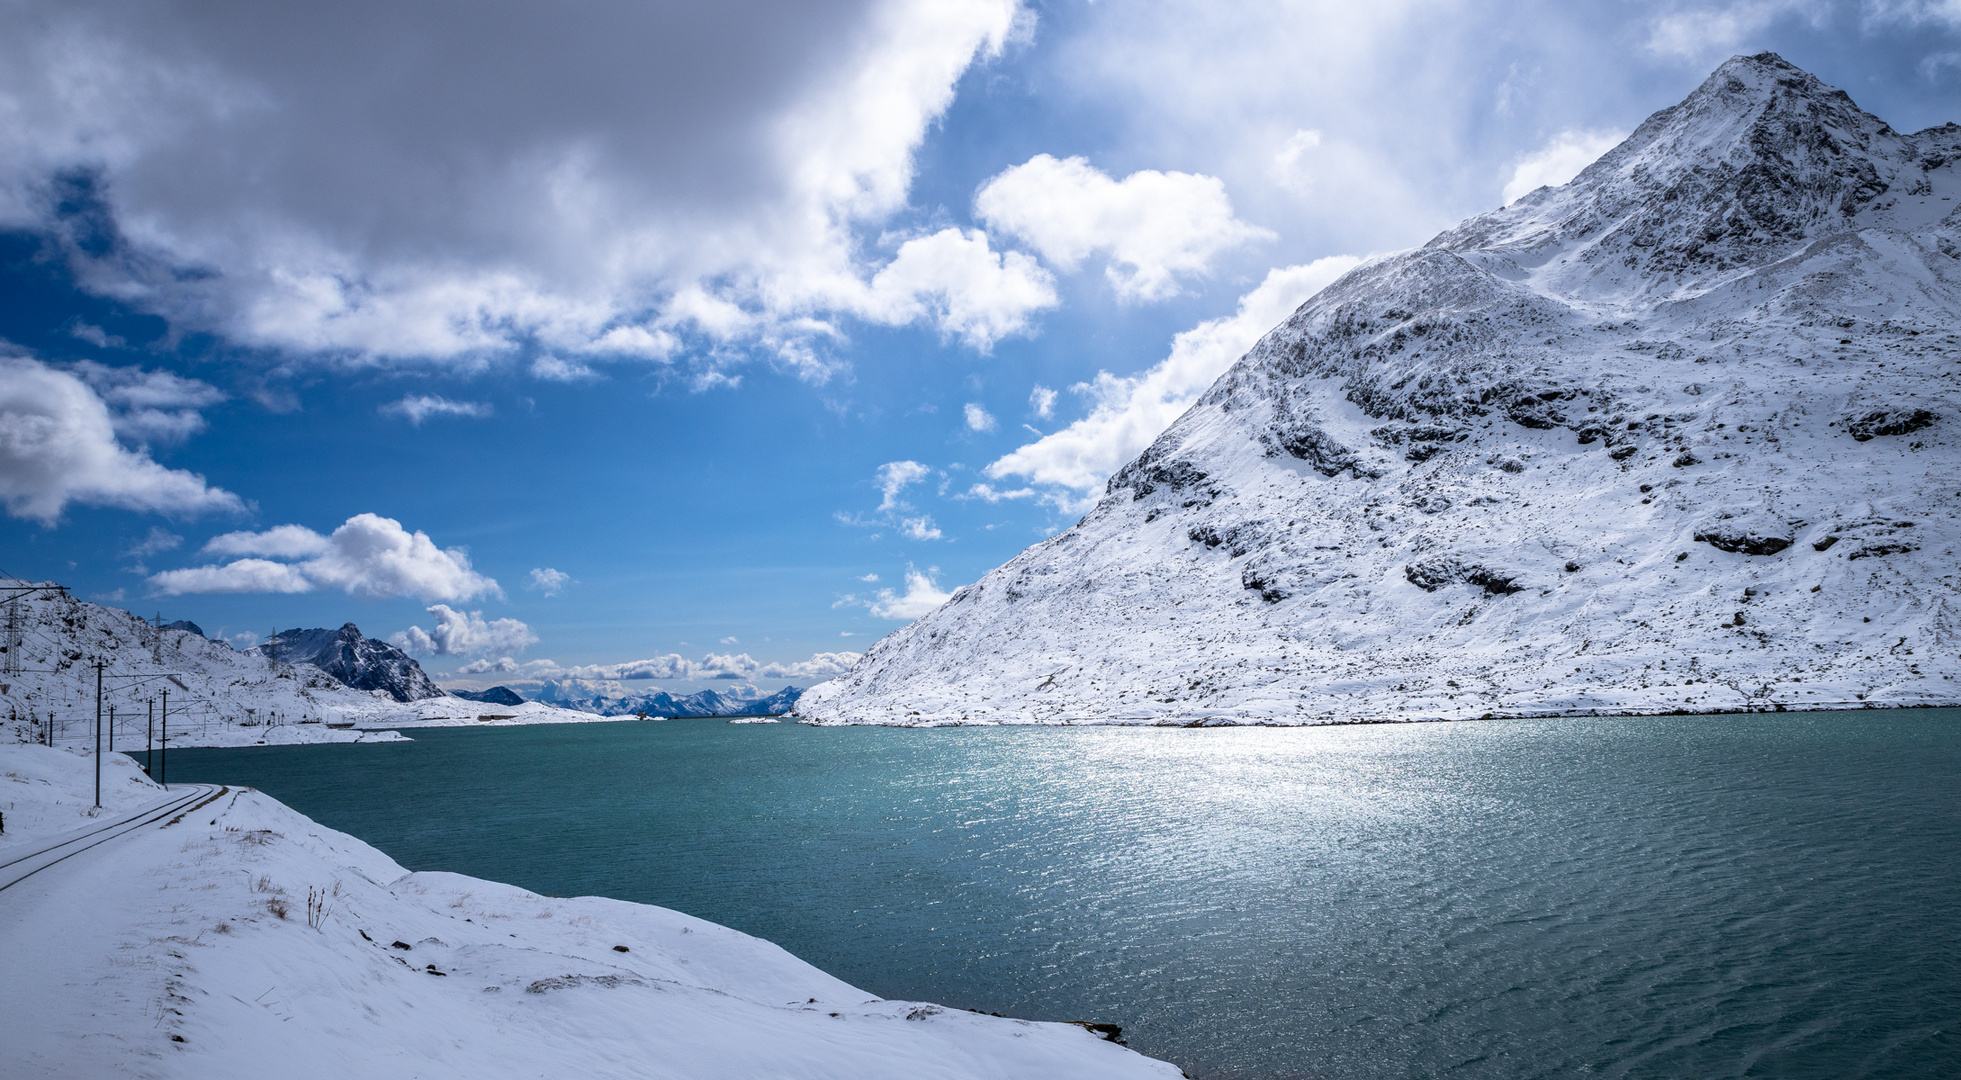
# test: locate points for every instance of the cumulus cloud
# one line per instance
(415, 408)
(551, 582)
(1153, 226)
(919, 528)
(1560, 160)
(978, 419)
(955, 281)
(461, 633)
(922, 595)
(369, 555)
(58, 445)
(1128, 412)
(568, 214)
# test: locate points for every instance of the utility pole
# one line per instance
(149, 737)
(98, 733)
(163, 750)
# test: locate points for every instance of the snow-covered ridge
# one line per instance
(1676, 436)
(217, 696)
(243, 939)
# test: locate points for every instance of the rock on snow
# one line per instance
(1676, 436)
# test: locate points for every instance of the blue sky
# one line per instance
(712, 344)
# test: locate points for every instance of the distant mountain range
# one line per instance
(613, 699)
(363, 663)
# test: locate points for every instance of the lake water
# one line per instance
(1769, 895)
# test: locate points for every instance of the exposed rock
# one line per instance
(1887, 422)
(1434, 574)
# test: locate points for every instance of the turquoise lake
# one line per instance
(1766, 895)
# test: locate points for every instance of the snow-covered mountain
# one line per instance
(363, 663)
(496, 695)
(610, 698)
(216, 695)
(1679, 435)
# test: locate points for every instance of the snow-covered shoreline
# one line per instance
(246, 939)
(1230, 719)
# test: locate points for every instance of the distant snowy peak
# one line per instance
(615, 699)
(363, 663)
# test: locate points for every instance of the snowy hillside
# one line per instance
(363, 663)
(246, 940)
(1679, 435)
(217, 696)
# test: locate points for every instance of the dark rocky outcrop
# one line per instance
(360, 662)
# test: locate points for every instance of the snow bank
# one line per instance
(248, 940)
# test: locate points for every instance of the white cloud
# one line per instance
(893, 478)
(990, 493)
(869, 577)
(1913, 12)
(1699, 33)
(279, 542)
(239, 576)
(96, 336)
(1291, 162)
(921, 596)
(551, 582)
(573, 215)
(978, 419)
(150, 406)
(460, 633)
(416, 408)
(954, 280)
(58, 445)
(1129, 412)
(919, 528)
(1560, 160)
(1931, 65)
(501, 665)
(1154, 226)
(728, 641)
(1042, 401)
(369, 555)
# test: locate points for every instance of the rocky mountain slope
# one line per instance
(1679, 435)
(363, 663)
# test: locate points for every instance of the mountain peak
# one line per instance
(1758, 161)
